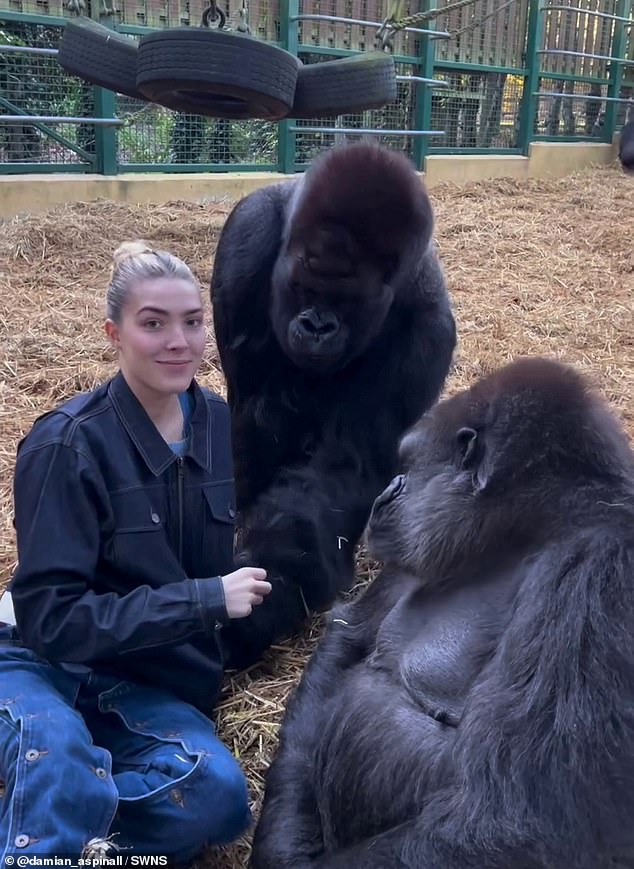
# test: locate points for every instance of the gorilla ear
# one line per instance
(467, 439)
(472, 457)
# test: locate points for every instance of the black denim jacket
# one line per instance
(113, 530)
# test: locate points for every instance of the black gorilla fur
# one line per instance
(626, 147)
(335, 333)
(475, 707)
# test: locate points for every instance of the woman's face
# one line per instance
(161, 336)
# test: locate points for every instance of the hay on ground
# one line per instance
(535, 267)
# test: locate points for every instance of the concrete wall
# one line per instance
(32, 193)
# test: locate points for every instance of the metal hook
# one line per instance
(213, 13)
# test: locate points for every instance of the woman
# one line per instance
(124, 520)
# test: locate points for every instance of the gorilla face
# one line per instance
(415, 518)
(329, 301)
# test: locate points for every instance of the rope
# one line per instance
(476, 24)
(393, 23)
(420, 17)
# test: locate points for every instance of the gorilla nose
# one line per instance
(391, 491)
(318, 324)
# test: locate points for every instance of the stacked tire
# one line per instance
(224, 74)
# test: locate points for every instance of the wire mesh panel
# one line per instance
(35, 84)
(151, 134)
(477, 110)
(565, 116)
(576, 69)
(398, 115)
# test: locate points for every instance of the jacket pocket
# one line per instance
(221, 500)
(217, 530)
(139, 541)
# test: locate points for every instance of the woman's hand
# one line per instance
(244, 589)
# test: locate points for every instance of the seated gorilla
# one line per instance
(626, 147)
(335, 333)
(475, 707)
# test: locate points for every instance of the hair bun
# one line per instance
(129, 249)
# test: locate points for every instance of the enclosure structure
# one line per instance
(508, 73)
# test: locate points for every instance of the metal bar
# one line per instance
(598, 99)
(19, 168)
(59, 119)
(329, 51)
(52, 134)
(528, 105)
(196, 167)
(458, 66)
(627, 21)
(26, 49)
(571, 76)
(423, 97)
(28, 18)
(439, 34)
(289, 35)
(349, 131)
(618, 47)
(434, 82)
(583, 54)
(105, 134)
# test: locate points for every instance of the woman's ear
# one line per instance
(112, 331)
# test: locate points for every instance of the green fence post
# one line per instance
(290, 41)
(619, 44)
(528, 107)
(424, 93)
(105, 137)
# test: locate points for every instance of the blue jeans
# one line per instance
(85, 756)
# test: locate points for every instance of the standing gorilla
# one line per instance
(335, 333)
(474, 709)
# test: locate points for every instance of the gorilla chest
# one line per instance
(434, 645)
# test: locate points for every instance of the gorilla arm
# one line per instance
(304, 527)
(289, 830)
(542, 763)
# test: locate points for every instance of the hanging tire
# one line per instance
(339, 87)
(100, 56)
(212, 72)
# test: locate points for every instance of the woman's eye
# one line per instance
(195, 322)
(152, 324)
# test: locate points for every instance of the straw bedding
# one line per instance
(537, 267)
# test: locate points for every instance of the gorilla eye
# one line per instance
(466, 439)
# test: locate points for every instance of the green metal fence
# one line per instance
(510, 72)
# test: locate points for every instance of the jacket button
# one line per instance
(100, 772)
(32, 754)
(232, 513)
(21, 841)
(217, 626)
(155, 518)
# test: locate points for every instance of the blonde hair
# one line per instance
(135, 261)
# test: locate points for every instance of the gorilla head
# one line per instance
(490, 464)
(359, 221)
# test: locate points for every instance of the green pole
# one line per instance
(528, 107)
(105, 137)
(619, 44)
(423, 103)
(290, 41)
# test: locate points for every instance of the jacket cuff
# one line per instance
(211, 602)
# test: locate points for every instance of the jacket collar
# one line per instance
(144, 434)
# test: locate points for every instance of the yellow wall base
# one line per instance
(32, 193)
